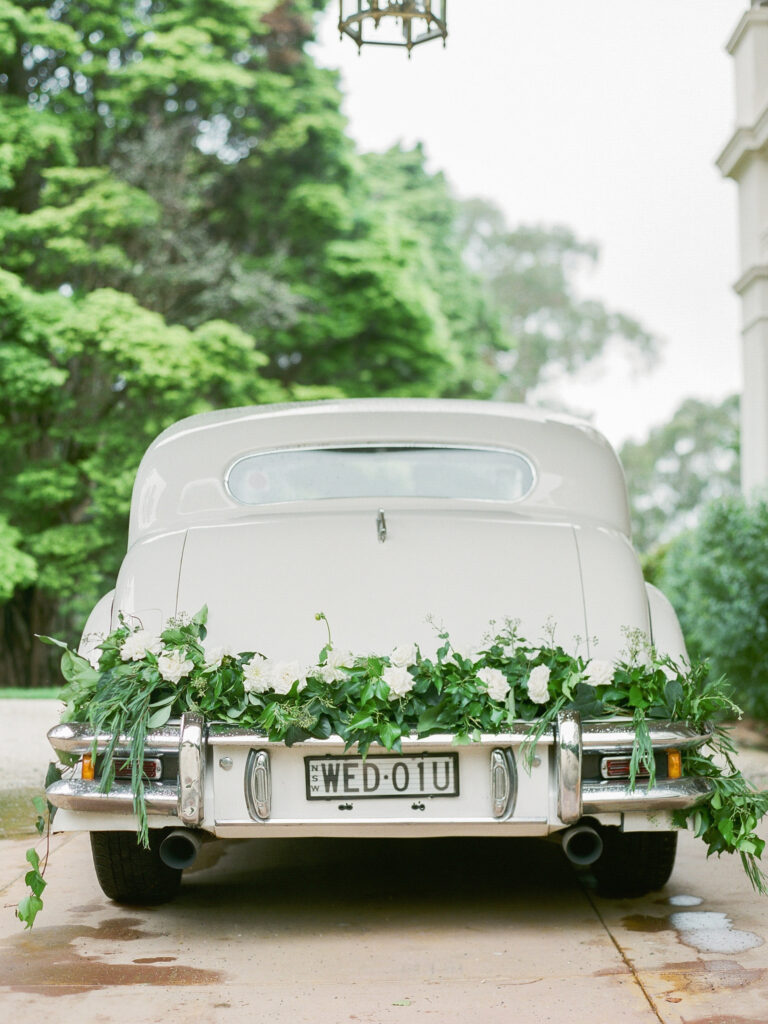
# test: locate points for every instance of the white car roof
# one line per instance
(181, 479)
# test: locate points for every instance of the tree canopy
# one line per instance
(682, 466)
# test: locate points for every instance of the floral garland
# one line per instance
(134, 681)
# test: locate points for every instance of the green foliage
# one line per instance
(31, 904)
(143, 680)
(17, 569)
(85, 384)
(680, 467)
(717, 578)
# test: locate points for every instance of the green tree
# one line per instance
(716, 575)
(85, 384)
(681, 467)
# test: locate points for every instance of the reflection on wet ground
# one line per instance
(17, 814)
(52, 955)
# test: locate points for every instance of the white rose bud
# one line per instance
(216, 655)
(137, 644)
(257, 675)
(398, 679)
(285, 674)
(538, 689)
(495, 682)
(403, 655)
(599, 673)
(339, 659)
(174, 665)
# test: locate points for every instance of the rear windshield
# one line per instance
(309, 474)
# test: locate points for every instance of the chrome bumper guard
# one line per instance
(183, 800)
(570, 738)
(576, 798)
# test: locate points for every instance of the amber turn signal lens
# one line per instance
(674, 764)
(88, 767)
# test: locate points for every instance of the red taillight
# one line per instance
(152, 768)
(618, 768)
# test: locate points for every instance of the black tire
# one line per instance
(634, 863)
(129, 873)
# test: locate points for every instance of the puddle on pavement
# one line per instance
(17, 813)
(646, 923)
(706, 931)
(711, 932)
(46, 962)
(683, 900)
(694, 976)
(726, 1019)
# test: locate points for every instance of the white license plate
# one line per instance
(382, 775)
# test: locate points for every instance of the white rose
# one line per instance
(403, 655)
(495, 681)
(398, 679)
(174, 665)
(339, 659)
(257, 675)
(137, 644)
(335, 664)
(599, 673)
(285, 674)
(538, 690)
(216, 655)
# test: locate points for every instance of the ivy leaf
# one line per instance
(389, 733)
(429, 719)
(636, 698)
(76, 669)
(673, 693)
(28, 909)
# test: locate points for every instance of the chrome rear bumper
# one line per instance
(575, 797)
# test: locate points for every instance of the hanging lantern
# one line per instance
(395, 22)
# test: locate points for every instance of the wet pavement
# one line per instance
(326, 931)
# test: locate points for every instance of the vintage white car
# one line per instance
(390, 516)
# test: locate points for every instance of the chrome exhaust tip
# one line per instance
(179, 849)
(582, 845)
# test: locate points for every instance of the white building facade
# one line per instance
(745, 159)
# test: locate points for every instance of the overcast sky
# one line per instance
(606, 116)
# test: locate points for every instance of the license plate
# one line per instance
(382, 775)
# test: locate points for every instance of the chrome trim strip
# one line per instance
(665, 795)
(348, 824)
(503, 783)
(568, 765)
(258, 785)
(231, 736)
(191, 768)
(596, 735)
(77, 795)
(78, 737)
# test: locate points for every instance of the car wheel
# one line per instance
(634, 863)
(130, 873)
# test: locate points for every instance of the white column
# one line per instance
(745, 159)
